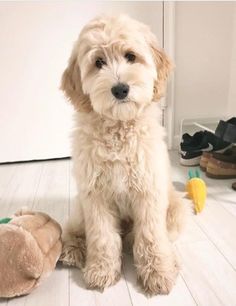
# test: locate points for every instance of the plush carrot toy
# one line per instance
(197, 190)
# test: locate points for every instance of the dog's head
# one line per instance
(116, 68)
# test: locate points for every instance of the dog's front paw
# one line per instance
(100, 276)
(158, 277)
(73, 253)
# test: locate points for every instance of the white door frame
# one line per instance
(169, 46)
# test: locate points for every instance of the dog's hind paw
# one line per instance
(73, 253)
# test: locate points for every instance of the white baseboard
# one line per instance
(176, 142)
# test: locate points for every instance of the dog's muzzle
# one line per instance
(120, 91)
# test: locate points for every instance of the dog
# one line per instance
(115, 75)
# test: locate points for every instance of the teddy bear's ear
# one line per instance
(72, 86)
(163, 67)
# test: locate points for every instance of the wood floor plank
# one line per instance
(221, 191)
(208, 275)
(230, 208)
(113, 296)
(191, 232)
(179, 296)
(6, 175)
(19, 185)
(217, 220)
(53, 192)
(21, 189)
(220, 226)
(52, 197)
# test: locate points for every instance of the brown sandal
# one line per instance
(206, 156)
(222, 165)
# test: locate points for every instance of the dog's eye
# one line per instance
(130, 57)
(99, 63)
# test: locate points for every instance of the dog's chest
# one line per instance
(121, 158)
(117, 143)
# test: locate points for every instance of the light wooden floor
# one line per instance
(207, 249)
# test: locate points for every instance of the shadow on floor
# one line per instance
(179, 186)
(128, 274)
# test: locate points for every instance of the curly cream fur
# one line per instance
(121, 162)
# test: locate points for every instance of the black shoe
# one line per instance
(192, 147)
(226, 130)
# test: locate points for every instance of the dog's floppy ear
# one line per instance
(71, 85)
(163, 66)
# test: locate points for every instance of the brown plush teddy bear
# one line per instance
(30, 245)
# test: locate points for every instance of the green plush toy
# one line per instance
(5, 220)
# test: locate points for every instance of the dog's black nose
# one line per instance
(120, 91)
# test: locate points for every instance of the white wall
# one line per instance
(35, 42)
(205, 34)
(231, 109)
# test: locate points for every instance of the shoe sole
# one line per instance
(205, 157)
(190, 162)
(220, 177)
(213, 171)
(203, 163)
(204, 160)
